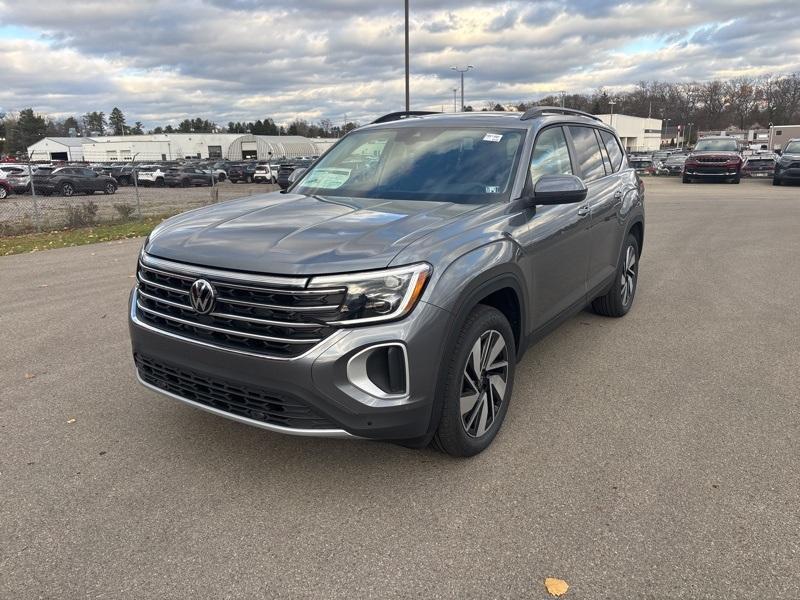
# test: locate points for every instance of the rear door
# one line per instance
(603, 201)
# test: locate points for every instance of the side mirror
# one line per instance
(559, 189)
(778, 152)
(296, 174)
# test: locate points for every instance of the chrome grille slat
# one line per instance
(266, 316)
(253, 336)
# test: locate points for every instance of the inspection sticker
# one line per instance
(492, 137)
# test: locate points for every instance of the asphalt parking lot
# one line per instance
(654, 456)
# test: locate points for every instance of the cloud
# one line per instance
(228, 60)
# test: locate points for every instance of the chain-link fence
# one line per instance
(22, 213)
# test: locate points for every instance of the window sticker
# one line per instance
(492, 137)
(492, 189)
(327, 179)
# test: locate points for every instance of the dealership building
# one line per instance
(637, 133)
(174, 146)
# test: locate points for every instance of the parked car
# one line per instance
(395, 302)
(673, 165)
(123, 174)
(69, 181)
(151, 175)
(5, 189)
(264, 173)
(787, 168)
(643, 166)
(6, 170)
(186, 177)
(714, 159)
(759, 165)
(244, 172)
(286, 168)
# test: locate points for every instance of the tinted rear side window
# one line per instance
(588, 152)
(614, 151)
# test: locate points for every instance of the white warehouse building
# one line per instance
(637, 133)
(174, 146)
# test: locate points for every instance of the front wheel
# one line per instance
(110, 188)
(477, 383)
(619, 299)
(686, 179)
(67, 189)
(736, 179)
(776, 181)
(3, 193)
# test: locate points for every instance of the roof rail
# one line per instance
(403, 114)
(538, 111)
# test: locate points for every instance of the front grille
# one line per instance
(712, 159)
(233, 398)
(280, 321)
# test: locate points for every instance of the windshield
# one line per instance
(440, 164)
(792, 148)
(716, 146)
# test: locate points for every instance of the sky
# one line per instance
(241, 60)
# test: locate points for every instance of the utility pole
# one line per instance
(33, 193)
(611, 103)
(563, 93)
(408, 86)
(455, 106)
(462, 71)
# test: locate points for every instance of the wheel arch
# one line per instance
(637, 229)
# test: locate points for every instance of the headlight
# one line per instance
(377, 295)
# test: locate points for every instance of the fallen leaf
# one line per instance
(556, 587)
(71, 421)
(29, 375)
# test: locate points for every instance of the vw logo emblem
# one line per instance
(202, 295)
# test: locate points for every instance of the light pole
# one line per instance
(611, 103)
(462, 71)
(408, 87)
(689, 133)
(563, 93)
(455, 105)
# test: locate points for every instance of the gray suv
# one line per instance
(390, 292)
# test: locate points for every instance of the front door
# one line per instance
(557, 240)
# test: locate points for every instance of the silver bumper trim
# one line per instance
(321, 433)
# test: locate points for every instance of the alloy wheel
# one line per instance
(67, 189)
(483, 386)
(110, 189)
(628, 277)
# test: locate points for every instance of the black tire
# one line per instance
(616, 303)
(160, 182)
(67, 189)
(90, 192)
(451, 434)
(124, 180)
(221, 177)
(3, 193)
(110, 189)
(686, 179)
(776, 181)
(736, 179)
(184, 183)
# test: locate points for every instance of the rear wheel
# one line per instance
(619, 299)
(686, 179)
(3, 193)
(124, 180)
(477, 384)
(67, 189)
(184, 183)
(160, 182)
(776, 181)
(736, 179)
(110, 188)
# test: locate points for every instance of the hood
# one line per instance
(721, 154)
(293, 234)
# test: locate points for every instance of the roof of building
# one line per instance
(69, 141)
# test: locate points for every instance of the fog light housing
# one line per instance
(380, 370)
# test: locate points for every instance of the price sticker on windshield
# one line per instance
(492, 137)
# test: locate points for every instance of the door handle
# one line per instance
(583, 211)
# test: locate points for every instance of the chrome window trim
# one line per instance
(322, 433)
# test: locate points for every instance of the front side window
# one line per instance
(440, 164)
(550, 155)
(614, 151)
(587, 152)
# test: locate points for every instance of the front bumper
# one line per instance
(790, 173)
(318, 378)
(711, 171)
